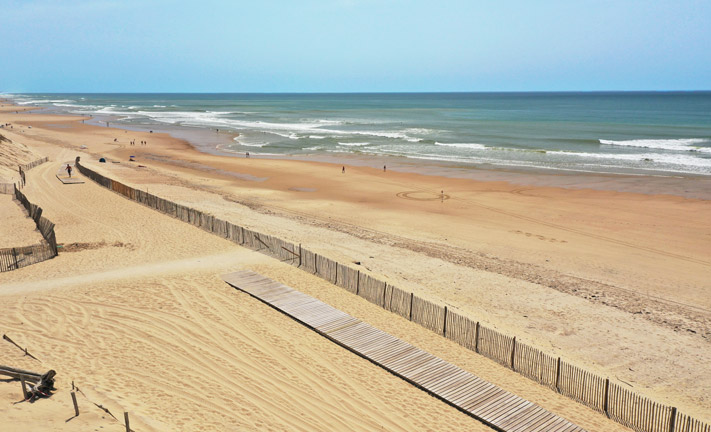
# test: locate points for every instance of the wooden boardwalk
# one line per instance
(482, 400)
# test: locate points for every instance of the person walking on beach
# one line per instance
(343, 170)
(384, 168)
(69, 170)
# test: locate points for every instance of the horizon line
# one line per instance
(3, 93)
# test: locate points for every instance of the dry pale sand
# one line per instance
(135, 312)
(18, 229)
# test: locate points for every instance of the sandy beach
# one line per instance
(601, 271)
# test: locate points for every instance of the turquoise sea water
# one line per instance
(667, 133)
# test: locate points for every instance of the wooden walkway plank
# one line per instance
(455, 392)
(484, 401)
(444, 385)
(528, 415)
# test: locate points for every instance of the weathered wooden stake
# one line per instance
(358, 283)
(513, 352)
(672, 419)
(385, 289)
(74, 400)
(476, 337)
(412, 296)
(299, 254)
(444, 326)
(607, 397)
(315, 263)
(125, 419)
(14, 254)
(557, 375)
(24, 389)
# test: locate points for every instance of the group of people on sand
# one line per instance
(133, 142)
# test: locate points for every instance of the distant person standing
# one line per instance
(247, 154)
(69, 170)
(343, 170)
(384, 168)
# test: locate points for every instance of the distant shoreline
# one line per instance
(206, 141)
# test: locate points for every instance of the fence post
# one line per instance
(607, 397)
(513, 352)
(358, 283)
(74, 400)
(444, 326)
(242, 229)
(412, 296)
(476, 337)
(14, 254)
(557, 376)
(299, 254)
(672, 420)
(336, 281)
(24, 389)
(315, 263)
(125, 419)
(385, 288)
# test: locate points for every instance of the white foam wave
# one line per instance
(316, 137)
(354, 144)
(252, 144)
(652, 158)
(289, 135)
(40, 101)
(681, 144)
(473, 146)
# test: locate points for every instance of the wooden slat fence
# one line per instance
(638, 412)
(428, 314)
(620, 404)
(685, 423)
(308, 261)
(18, 257)
(461, 329)
(285, 251)
(15, 258)
(583, 386)
(371, 289)
(326, 268)
(497, 346)
(400, 302)
(347, 278)
(29, 166)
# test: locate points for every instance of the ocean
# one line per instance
(643, 133)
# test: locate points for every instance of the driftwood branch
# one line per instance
(43, 384)
(20, 374)
(7, 338)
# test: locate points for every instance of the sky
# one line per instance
(354, 45)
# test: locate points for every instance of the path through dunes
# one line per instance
(136, 314)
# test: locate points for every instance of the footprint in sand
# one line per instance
(539, 237)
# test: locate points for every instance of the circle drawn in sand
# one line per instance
(422, 196)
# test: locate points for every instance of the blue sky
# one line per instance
(354, 45)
